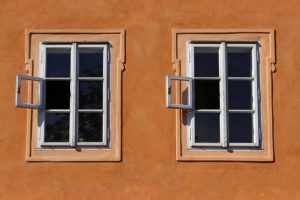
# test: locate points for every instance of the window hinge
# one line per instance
(190, 54)
(108, 56)
(259, 136)
(257, 56)
(41, 56)
(108, 95)
(108, 134)
(258, 95)
(40, 138)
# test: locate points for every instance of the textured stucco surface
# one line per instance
(148, 169)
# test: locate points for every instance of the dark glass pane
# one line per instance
(57, 127)
(239, 94)
(90, 127)
(90, 95)
(207, 127)
(90, 62)
(207, 94)
(206, 62)
(58, 62)
(239, 62)
(240, 127)
(58, 95)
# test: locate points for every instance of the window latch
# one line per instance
(169, 90)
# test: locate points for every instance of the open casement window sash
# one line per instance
(20, 91)
(184, 101)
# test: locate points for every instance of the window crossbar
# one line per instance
(57, 110)
(241, 111)
(207, 111)
(90, 111)
(241, 78)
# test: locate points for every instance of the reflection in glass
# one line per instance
(57, 94)
(239, 62)
(90, 127)
(206, 62)
(58, 62)
(207, 127)
(239, 94)
(240, 128)
(90, 62)
(57, 127)
(207, 94)
(90, 95)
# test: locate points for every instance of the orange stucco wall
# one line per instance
(148, 169)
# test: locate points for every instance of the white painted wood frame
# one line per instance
(224, 111)
(74, 97)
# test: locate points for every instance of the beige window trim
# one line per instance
(116, 38)
(266, 38)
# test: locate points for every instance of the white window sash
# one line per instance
(255, 90)
(191, 115)
(42, 111)
(105, 91)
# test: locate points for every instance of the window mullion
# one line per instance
(223, 95)
(73, 90)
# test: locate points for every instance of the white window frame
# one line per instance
(169, 90)
(74, 96)
(19, 102)
(224, 111)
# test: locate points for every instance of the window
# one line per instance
(74, 111)
(225, 112)
(75, 103)
(229, 117)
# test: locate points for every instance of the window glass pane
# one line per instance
(58, 62)
(90, 62)
(206, 62)
(57, 127)
(57, 94)
(90, 95)
(90, 127)
(207, 127)
(239, 62)
(239, 94)
(240, 128)
(207, 94)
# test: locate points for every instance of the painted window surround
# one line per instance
(116, 38)
(266, 39)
